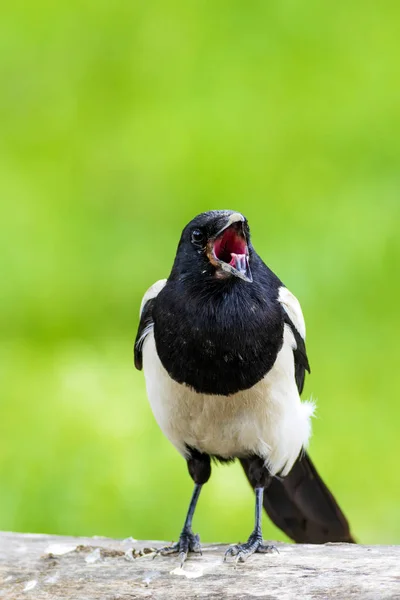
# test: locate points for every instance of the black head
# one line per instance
(215, 244)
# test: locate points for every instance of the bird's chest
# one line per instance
(218, 350)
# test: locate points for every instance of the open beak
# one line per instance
(228, 250)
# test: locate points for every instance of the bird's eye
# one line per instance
(197, 236)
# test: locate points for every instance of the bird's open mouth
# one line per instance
(229, 251)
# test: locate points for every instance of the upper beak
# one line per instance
(228, 249)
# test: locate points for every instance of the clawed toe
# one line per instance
(166, 550)
(188, 542)
(267, 549)
(231, 551)
(241, 552)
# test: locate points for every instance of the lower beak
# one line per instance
(240, 267)
(240, 262)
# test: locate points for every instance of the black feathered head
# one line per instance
(215, 244)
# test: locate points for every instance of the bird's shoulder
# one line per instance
(292, 308)
(294, 319)
(152, 293)
(146, 319)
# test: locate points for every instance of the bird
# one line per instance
(221, 342)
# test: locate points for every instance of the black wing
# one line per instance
(301, 364)
(146, 320)
(145, 326)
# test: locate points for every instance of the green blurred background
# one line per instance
(121, 121)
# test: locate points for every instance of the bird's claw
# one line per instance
(241, 552)
(188, 542)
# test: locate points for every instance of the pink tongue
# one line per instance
(238, 261)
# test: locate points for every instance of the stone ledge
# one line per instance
(44, 567)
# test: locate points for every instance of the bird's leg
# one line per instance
(200, 470)
(255, 541)
(188, 541)
(260, 479)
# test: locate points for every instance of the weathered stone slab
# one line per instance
(43, 567)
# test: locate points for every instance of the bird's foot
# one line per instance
(188, 542)
(253, 544)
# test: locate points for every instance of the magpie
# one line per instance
(222, 346)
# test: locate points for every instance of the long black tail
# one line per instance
(302, 506)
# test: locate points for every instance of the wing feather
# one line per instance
(146, 320)
(293, 317)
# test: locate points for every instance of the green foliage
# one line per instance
(119, 122)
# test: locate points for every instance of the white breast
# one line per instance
(269, 419)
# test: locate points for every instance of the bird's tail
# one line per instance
(302, 506)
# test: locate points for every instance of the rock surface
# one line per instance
(43, 567)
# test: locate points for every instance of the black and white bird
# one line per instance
(222, 346)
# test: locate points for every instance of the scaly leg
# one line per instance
(200, 470)
(255, 541)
